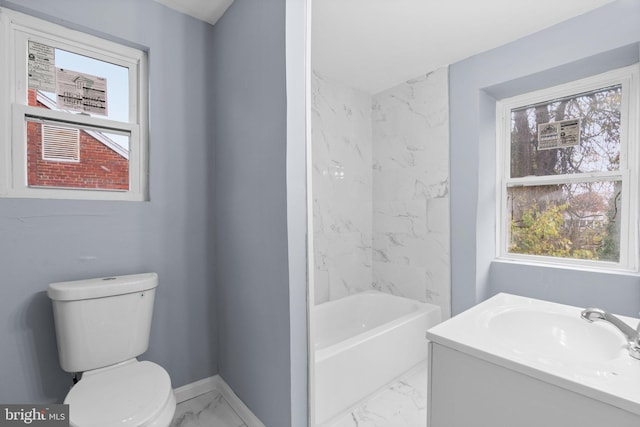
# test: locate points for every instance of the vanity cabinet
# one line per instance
(465, 391)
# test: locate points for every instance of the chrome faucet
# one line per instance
(633, 336)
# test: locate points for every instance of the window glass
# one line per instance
(598, 139)
(74, 65)
(96, 162)
(578, 220)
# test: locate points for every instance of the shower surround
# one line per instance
(381, 190)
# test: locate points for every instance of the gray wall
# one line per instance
(43, 241)
(604, 39)
(252, 272)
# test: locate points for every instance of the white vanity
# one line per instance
(519, 362)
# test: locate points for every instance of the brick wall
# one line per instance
(99, 167)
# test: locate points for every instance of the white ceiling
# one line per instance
(376, 44)
(205, 10)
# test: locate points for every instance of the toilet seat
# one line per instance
(132, 394)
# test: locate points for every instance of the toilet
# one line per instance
(102, 326)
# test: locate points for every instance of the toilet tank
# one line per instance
(100, 322)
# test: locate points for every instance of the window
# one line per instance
(73, 113)
(567, 173)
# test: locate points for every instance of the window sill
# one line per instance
(73, 194)
(565, 267)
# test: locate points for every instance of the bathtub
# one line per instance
(363, 342)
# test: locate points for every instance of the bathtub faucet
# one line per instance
(633, 336)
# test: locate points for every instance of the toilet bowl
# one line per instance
(102, 326)
(131, 393)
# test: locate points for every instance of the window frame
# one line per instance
(16, 30)
(627, 77)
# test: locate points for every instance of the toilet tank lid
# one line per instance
(102, 287)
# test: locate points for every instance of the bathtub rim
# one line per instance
(423, 309)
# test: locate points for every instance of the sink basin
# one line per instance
(555, 336)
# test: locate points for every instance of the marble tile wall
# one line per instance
(342, 188)
(411, 250)
(381, 189)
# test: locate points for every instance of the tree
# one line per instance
(610, 248)
(539, 232)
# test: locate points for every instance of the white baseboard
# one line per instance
(238, 405)
(206, 385)
(195, 389)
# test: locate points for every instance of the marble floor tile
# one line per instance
(207, 410)
(403, 403)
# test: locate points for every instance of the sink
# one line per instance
(513, 360)
(555, 336)
(545, 341)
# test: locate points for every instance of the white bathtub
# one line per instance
(363, 342)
